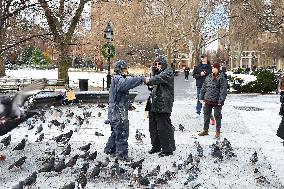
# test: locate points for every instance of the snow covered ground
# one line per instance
(248, 131)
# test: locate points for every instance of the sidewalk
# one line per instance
(248, 131)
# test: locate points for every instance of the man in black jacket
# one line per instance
(162, 98)
(200, 72)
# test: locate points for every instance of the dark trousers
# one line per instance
(207, 110)
(161, 132)
(280, 131)
(186, 76)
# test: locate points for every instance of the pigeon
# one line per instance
(139, 135)
(136, 164)
(72, 161)
(85, 156)
(2, 157)
(30, 127)
(66, 151)
(21, 145)
(40, 138)
(82, 180)
(69, 186)
(101, 105)
(217, 170)
(55, 122)
(6, 141)
(106, 162)
(14, 108)
(62, 126)
(70, 114)
(48, 167)
(60, 166)
(18, 163)
(84, 168)
(93, 156)
(254, 158)
(98, 134)
(39, 129)
(20, 185)
(191, 177)
(31, 179)
(85, 148)
(144, 181)
(87, 113)
(199, 149)
(99, 114)
(131, 107)
(154, 172)
(260, 179)
(188, 160)
(115, 169)
(96, 170)
(181, 127)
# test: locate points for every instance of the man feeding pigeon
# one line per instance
(12, 111)
(118, 110)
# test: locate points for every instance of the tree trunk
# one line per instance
(2, 67)
(64, 63)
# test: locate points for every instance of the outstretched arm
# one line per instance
(129, 83)
(163, 77)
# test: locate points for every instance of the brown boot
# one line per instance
(217, 135)
(203, 133)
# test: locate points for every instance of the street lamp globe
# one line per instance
(156, 49)
(108, 32)
(175, 52)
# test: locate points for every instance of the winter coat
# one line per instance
(282, 84)
(197, 73)
(186, 70)
(162, 96)
(119, 97)
(214, 91)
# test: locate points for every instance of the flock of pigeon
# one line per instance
(87, 166)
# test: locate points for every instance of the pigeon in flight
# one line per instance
(13, 108)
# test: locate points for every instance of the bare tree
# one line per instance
(62, 18)
(9, 10)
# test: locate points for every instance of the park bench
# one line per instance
(8, 84)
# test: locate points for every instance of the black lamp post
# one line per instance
(156, 50)
(108, 36)
(174, 61)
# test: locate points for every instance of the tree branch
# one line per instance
(52, 21)
(23, 40)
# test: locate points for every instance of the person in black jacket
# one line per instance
(186, 73)
(213, 94)
(161, 103)
(200, 72)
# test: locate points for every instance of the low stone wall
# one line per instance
(55, 98)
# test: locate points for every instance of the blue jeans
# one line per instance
(198, 104)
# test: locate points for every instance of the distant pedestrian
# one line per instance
(118, 110)
(213, 94)
(186, 73)
(200, 72)
(160, 105)
(280, 131)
